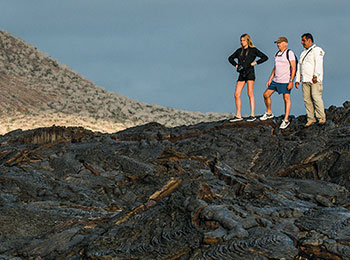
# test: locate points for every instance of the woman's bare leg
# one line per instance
(238, 91)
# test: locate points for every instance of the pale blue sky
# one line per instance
(174, 52)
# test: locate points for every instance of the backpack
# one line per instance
(295, 56)
(296, 59)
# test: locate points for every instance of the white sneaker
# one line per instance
(266, 116)
(285, 124)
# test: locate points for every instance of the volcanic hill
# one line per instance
(37, 91)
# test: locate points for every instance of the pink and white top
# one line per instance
(282, 66)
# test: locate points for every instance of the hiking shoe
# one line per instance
(266, 116)
(321, 121)
(309, 123)
(251, 118)
(236, 119)
(285, 124)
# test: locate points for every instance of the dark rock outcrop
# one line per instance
(219, 190)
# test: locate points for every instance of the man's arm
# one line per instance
(297, 76)
(318, 56)
(293, 66)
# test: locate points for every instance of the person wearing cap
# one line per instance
(310, 72)
(281, 80)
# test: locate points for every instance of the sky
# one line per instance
(174, 52)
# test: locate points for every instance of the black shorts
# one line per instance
(249, 75)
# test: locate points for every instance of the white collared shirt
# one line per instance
(310, 65)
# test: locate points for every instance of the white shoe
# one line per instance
(266, 116)
(285, 124)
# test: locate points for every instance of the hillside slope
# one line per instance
(35, 90)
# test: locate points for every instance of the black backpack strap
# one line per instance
(296, 59)
(307, 54)
(281, 53)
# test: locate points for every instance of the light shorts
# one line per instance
(281, 88)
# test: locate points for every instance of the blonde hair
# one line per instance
(248, 39)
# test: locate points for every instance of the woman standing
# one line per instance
(246, 56)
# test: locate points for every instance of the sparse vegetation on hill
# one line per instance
(34, 85)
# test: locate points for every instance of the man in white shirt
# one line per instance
(310, 73)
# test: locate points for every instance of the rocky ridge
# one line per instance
(215, 190)
(34, 85)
